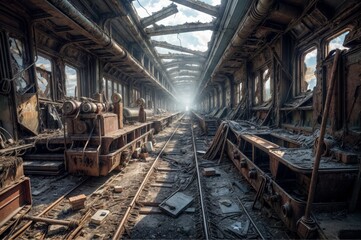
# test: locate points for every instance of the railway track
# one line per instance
(100, 195)
(219, 205)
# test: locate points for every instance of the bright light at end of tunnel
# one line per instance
(187, 108)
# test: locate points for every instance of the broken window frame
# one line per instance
(50, 95)
(76, 89)
(20, 74)
(301, 69)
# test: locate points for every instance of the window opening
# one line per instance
(240, 91)
(44, 76)
(109, 89)
(337, 42)
(256, 90)
(71, 81)
(104, 87)
(266, 80)
(308, 70)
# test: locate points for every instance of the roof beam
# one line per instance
(184, 78)
(178, 63)
(181, 56)
(161, 14)
(199, 6)
(184, 73)
(187, 27)
(184, 67)
(177, 48)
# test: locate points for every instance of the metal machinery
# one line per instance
(99, 143)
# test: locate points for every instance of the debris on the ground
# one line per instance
(176, 203)
(99, 216)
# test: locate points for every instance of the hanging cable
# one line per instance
(143, 7)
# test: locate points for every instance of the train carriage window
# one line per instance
(308, 70)
(104, 87)
(337, 42)
(71, 81)
(266, 82)
(44, 76)
(109, 88)
(17, 57)
(256, 90)
(239, 90)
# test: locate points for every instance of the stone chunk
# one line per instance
(99, 216)
(209, 172)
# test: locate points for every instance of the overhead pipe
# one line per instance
(97, 35)
(254, 17)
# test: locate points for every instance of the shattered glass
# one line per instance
(44, 76)
(17, 56)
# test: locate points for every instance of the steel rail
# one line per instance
(205, 222)
(27, 225)
(250, 218)
(117, 235)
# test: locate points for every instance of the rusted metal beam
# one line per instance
(177, 48)
(187, 27)
(199, 6)
(75, 19)
(161, 14)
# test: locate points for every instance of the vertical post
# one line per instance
(305, 225)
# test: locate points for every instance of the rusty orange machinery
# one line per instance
(99, 142)
(15, 192)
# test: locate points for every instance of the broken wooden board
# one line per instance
(176, 204)
(43, 166)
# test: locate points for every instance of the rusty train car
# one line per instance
(285, 76)
(289, 77)
(69, 96)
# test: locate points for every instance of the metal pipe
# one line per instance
(246, 27)
(316, 165)
(71, 224)
(94, 31)
(97, 35)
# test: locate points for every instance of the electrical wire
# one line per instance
(143, 7)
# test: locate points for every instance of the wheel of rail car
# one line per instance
(116, 97)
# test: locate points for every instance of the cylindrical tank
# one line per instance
(71, 107)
